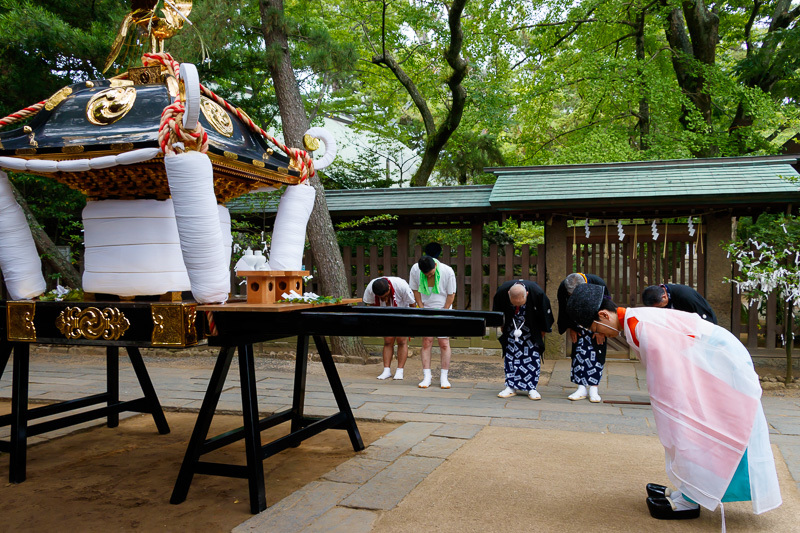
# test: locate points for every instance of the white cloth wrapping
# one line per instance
(289, 232)
(191, 183)
(19, 260)
(132, 248)
(227, 236)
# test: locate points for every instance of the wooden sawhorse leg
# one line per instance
(150, 396)
(18, 441)
(194, 450)
(339, 394)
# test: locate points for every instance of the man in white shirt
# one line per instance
(391, 292)
(434, 286)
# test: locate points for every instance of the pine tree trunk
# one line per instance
(294, 121)
(47, 248)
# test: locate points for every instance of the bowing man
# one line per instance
(680, 297)
(588, 350)
(527, 317)
(391, 292)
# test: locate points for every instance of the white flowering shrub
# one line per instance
(768, 262)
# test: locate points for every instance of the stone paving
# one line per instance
(436, 423)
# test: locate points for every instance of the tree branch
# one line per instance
(748, 27)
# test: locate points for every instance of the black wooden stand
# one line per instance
(302, 427)
(20, 414)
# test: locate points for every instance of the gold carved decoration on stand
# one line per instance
(174, 325)
(91, 323)
(57, 98)
(216, 116)
(20, 321)
(110, 105)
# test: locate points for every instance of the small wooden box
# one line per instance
(268, 286)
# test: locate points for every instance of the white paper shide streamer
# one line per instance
(191, 184)
(19, 260)
(132, 248)
(289, 233)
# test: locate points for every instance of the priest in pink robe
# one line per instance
(706, 400)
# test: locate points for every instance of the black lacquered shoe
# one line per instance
(661, 509)
(655, 490)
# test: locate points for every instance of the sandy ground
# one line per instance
(121, 479)
(514, 479)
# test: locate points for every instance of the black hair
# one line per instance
(380, 286)
(651, 296)
(426, 264)
(607, 304)
(433, 249)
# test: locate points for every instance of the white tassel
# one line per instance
(191, 183)
(289, 233)
(19, 260)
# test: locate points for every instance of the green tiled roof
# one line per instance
(735, 181)
(395, 201)
(743, 184)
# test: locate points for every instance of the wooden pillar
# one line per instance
(476, 264)
(402, 251)
(719, 229)
(555, 245)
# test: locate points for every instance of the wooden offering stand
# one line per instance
(268, 286)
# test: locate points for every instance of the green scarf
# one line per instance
(423, 281)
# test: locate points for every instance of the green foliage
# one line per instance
(51, 43)
(365, 172)
(365, 221)
(62, 294)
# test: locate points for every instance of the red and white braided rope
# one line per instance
(170, 130)
(301, 157)
(22, 114)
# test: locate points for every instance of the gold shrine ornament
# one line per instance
(216, 116)
(108, 106)
(91, 323)
(57, 98)
(20, 321)
(174, 325)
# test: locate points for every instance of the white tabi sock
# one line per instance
(426, 378)
(594, 397)
(387, 373)
(443, 380)
(578, 394)
(398, 374)
(508, 392)
(679, 503)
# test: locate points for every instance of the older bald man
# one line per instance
(528, 317)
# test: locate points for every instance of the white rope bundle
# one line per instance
(19, 261)
(289, 232)
(191, 184)
(227, 236)
(79, 165)
(132, 248)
